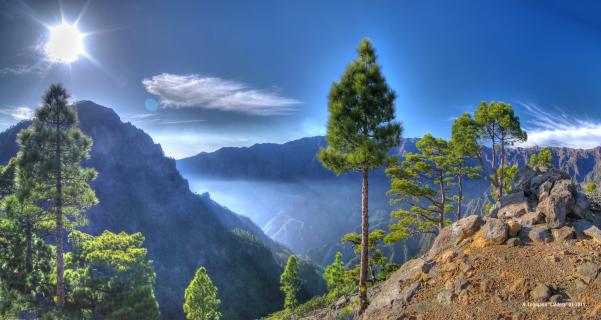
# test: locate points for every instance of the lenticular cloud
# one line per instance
(195, 91)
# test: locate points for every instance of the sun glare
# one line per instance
(65, 44)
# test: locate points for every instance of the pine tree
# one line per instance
(290, 283)
(51, 151)
(201, 301)
(495, 125)
(543, 160)
(360, 132)
(422, 181)
(109, 277)
(334, 273)
(377, 262)
(462, 151)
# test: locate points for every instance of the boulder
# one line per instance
(535, 235)
(550, 175)
(466, 227)
(529, 219)
(513, 210)
(451, 235)
(585, 228)
(493, 232)
(581, 206)
(540, 293)
(514, 204)
(521, 180)
(558, 204)
(564, 233)
(544, 190)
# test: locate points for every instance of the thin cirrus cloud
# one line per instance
(195, 91)
(154, 119)
(19, 113)
(558, 129)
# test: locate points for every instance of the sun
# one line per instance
(65, 43)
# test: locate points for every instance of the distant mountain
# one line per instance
(139, 189)
(290, 161)
(284, 188)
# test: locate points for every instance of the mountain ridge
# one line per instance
(331, 204)
(140, 190)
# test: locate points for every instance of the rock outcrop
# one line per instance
(539, 244)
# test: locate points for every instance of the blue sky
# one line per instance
(234, 73)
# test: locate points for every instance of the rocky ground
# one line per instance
(535, 255)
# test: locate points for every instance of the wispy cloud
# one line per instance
(19, 113)
(155, 119)
(195, 91)
(21, 69)
(558, 129)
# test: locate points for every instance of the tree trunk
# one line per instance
(485, 171)
(364, 244)
(502, 168)
(442, 202)
(459, 195)
(58, 231)
(494, 163)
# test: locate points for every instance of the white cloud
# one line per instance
(558, 129)
(195, 91)
(19, 113)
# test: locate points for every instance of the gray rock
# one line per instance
(544, 190)
(521, 180)
(535, 235)
(550, 175)
(445, 240)
(581, 206)
(585, 228)
(530, 219)
(494, 231)
(510, 205)
(540, 293)
(466, 227)
(564, 233)
(410, 291)
(512, 198)
(588, 272)
(558, 204)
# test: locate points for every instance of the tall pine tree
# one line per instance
(361, 130)
(290, 283)
(51, 151)
(202, 302)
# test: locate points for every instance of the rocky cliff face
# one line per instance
(537, 250)
(140, 190)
